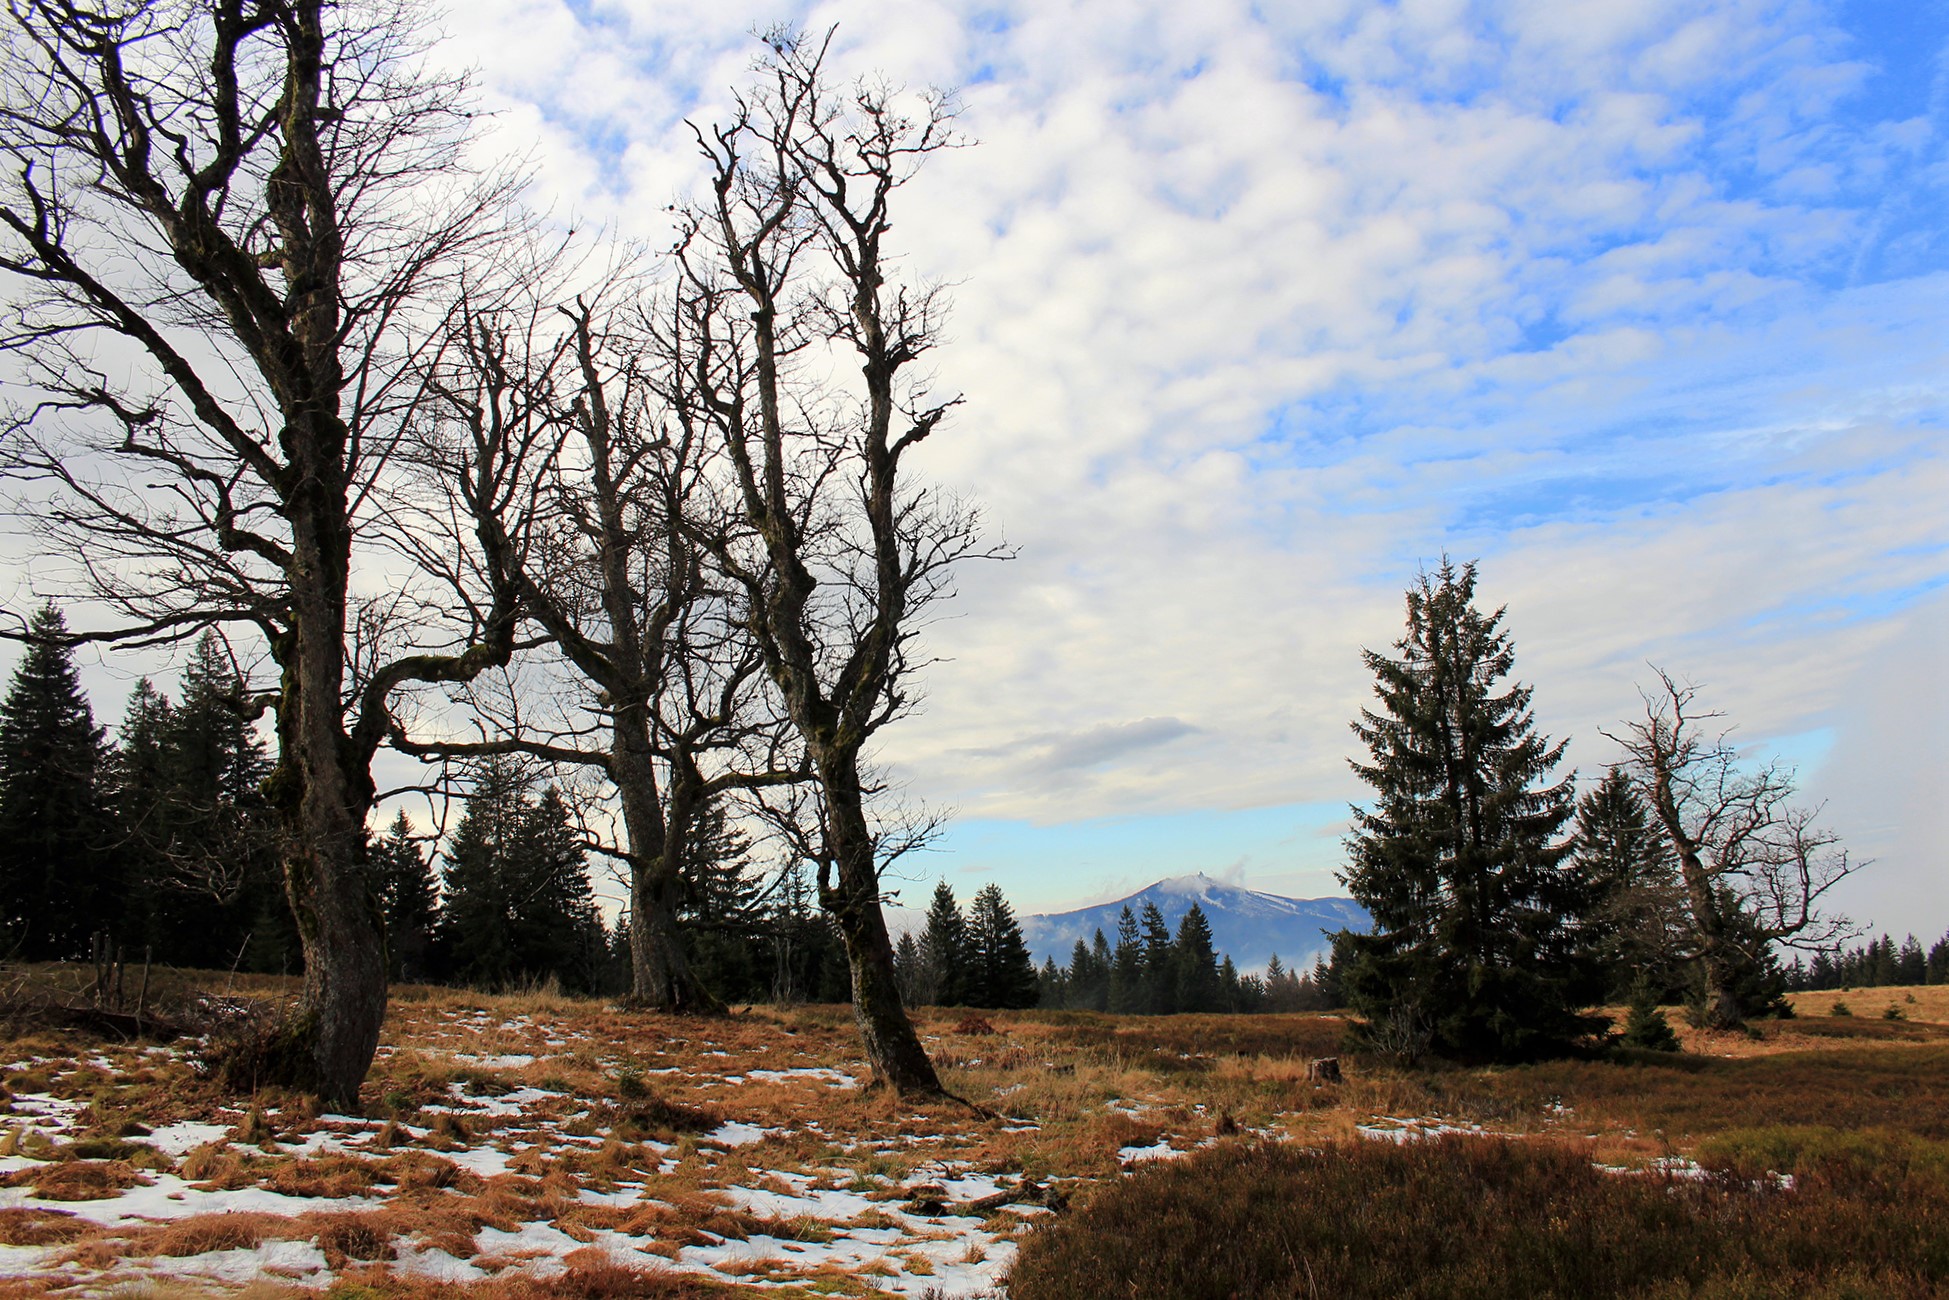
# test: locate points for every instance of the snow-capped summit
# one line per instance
(1247, 925)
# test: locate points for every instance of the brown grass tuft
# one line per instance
(355, 1236)
(26, 1226)
(422, 1169)
(204, 1233)
(77, 1180)
(332, 1176)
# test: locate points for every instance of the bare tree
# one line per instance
(1754, 869)
(785, 275)
(227, 225)
(618, 582)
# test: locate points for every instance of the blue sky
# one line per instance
(1259, 308)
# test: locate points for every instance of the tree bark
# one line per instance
(892, 1045)
(661, 978)
(321, 788)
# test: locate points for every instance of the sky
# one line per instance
(1259, 309)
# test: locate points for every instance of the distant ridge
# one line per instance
(1247, 925)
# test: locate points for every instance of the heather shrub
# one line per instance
(1467, 1216)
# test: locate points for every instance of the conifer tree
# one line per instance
(197, 836)
(58, 883)
(1200, 986)
(1127, 992)
(944, 951)
(1002, 973)
(220, 833)
(1638, 906)
(477, 923)
(141, 782)
(519, 908)
(809, 961)
(1087, 983)
(720, 885)
(1102, 962)
(1235, 991)
(1052, 985)
(1911, 964)
(1479, 946)
(409, 898)
(907, 964)
(722, 908)
(1160, 977)
(558, 930)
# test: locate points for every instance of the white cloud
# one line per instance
(1257, 311)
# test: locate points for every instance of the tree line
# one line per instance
(1152, 972)
(1873, 964)
(160, 840)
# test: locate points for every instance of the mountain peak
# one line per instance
(1249, 926)
(1195, 883)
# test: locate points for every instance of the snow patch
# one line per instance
(735, 1133)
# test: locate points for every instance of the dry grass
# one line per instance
(26, 1226)
(1927, 1003)
(78, 1180)
(630, 1099)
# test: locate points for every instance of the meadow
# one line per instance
(531, 1145)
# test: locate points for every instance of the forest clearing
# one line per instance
(535, 1144)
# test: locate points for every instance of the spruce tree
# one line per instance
(58, 879)
(808, 954)
(1001, 970)
(1239, 992)
(1052, 986)
(519, 908)
(199, 840)
(141, 783)
(907, 963)
(1637, 904)
(1480, 946)
(1200, 986)
(1102, 961)
(723, 910)
(720, 884)
(477, 929)
(558, 929)
(1159, 964)
(1082, 982)
(944, 951)
(1127, 995)
(220, 839)
(1911, 964)
(409, 898)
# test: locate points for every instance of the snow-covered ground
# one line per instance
(542, 1177)
(531, 1138)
